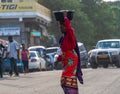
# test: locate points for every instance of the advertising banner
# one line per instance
(35, 33)
(9, 31)
(17, 7)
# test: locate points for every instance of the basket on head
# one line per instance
(60, 17)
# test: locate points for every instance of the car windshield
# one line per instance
(48, 51)
(32, 54)
(59, 51)
(40, 51)
(108, 44)
(81, 48)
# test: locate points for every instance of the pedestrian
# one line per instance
(13, 54)
(1, 59)
(25, 58)
(70, 56)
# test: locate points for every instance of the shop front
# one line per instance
(27, 22)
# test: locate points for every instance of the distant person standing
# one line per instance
(25, 58)
(1, 54)
(13, 54)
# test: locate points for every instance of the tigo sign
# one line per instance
(14, 7)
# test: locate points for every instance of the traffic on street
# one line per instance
(54, 47)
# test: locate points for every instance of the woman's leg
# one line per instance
(26, 66)
(68, 90)
(25, 63)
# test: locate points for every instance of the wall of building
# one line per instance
(25, 26)
(19, 0)
(29, 0)
(24, 0)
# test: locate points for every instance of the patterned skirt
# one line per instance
(69, 85)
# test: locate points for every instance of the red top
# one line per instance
(24, 55)
(68, 43)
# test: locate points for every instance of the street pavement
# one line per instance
(96, 81)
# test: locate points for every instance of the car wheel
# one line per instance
(40, 68)
(46, 67)
(105, 65)
(86, 64)
(59, 66)
(117, 64)
(94, 65)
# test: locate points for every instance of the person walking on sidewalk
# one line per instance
(1, 59)
(13, 54)
(25, 58)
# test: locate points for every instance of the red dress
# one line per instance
(68, 57)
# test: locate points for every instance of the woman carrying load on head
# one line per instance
(70, 57)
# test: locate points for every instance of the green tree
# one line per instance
(83, 27)
(93, 19)
(100, 15)
(116, 15)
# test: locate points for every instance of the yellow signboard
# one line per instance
(17, 7)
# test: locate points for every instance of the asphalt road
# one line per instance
(96, 81)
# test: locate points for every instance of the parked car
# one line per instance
(59, 65)
(83, 55)
(50, 56)
(106, 52)
(40, 49)
(57, 54)
(36, 61)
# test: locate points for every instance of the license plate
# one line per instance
(102, 56)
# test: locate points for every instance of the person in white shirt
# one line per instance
(13, 53)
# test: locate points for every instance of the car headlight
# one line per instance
(115, 53)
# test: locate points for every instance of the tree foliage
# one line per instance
(93, 19)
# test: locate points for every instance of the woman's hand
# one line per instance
(64, 12)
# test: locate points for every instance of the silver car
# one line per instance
(83, 55)
(50, 56)
(105, 53)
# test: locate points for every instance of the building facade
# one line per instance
(25, 20)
